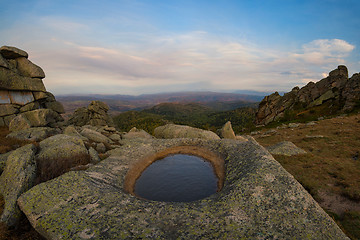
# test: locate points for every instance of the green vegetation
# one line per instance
(190, 114)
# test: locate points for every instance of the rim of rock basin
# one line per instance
(139, 167)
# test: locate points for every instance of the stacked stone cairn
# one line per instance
(22, 89)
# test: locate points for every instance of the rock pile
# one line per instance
(342, 91)
(95, 114)
(21, 86)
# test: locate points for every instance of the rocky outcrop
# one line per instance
(259, 200)
(337, 88)
(181, 131)
(95, 115)
(285, 148)
(21, 86)
(227, 131)
(18, 177)
(136, 133)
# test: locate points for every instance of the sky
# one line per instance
(152, 46)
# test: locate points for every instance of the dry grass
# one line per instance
(48, 169)
(332, 165)
(9, 144)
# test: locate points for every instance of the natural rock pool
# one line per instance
(177, 178)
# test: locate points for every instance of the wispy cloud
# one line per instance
(195, 60)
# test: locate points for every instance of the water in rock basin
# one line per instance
(177, 178)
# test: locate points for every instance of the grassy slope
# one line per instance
(331, 169)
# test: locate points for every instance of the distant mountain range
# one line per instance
(121, 103)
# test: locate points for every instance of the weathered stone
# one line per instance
(137, 133)
(34, 133)
(3, 159)
(21, 97)
(285, 148)
(98, 106)
(293, 125)
(30, 106)
(4, 97)
(240, 138)
(19, 122)
(259, 200)
(95, 136)
(180, 131)
(115, 137)
(94, 156)
(61, 146)
(7, 109)
(226, 131)
(12, 81)
(95, 114)
(56, 106)
(326, 96)
(35, 118)
(3, 62)
(8, 119)
(2, 122)
(40, 95)
(9, 52)
(17, 177)
(100, 147)
(29, 69)
(80, 117)
(71, 131)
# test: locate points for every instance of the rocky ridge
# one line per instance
(338, 89)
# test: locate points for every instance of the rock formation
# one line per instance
(95, 114)
(227, 131)
(285, 148)
(259, 200)
(21, 86)
(341, 91)
(181, 131)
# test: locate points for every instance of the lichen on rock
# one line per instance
(259, 200)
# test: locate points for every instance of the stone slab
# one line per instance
(4, 97)
(10, 80)
(9, 52)
(259, 200)
(21, 97)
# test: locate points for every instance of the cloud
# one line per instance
(324, 51)
(197, 59)
(75, 61)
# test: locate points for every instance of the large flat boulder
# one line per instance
(285, 148)
(10, 52)
(95, 136)
(18, 176)
(259, 200)
(29, 69)
(181, 131)
(13, 81)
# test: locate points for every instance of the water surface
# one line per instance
(177, 178)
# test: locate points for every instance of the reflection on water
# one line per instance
(177, 178)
